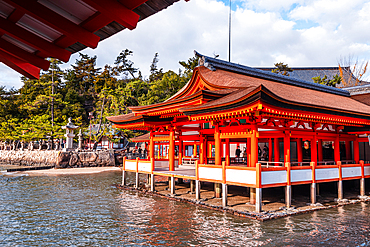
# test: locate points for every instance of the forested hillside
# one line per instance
(41, 107)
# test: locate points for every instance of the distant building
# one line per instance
(307, 73)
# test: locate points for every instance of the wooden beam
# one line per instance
(33, 40)
(132, 4)
(24, 55)
(26, 69)
(117, 11)
(56, 21)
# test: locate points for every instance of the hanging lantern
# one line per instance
(332, 145)
(306, 145)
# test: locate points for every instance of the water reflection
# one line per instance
(85, 210)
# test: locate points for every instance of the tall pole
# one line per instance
(52, 103)
(230, 31)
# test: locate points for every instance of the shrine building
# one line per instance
(235, 125)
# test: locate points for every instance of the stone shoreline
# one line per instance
(264, 216)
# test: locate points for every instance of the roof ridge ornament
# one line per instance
(202, 61)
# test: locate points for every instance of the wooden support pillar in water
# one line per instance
(218, 190)
(172, 185)
(258, 200)
(313, 193)
(252, 195)
(192, 186)
(224, 195)
(288, 188)
(123, 177)
(152, 182)
(362, 180)
(340, 182)
(197, 190)
(137, 180)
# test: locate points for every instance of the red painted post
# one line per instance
(223, 172)
(276, 150)
(137, 164)
(356, 151)
(124, 163)
(313, 184)
(340, 182)
(362, 181)
(299, 150)
(287, 147)
(337, 149)
(270, 149)
(288, 189)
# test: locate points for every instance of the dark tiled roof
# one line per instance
(285, 92)
(213, 64)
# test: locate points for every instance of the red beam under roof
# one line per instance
(20, 66)
(117, 11)
(24, 55)
(33, 30)
(33, 40)
(56, 21)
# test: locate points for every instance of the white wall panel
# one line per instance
(130, 165)
(241, 176)
(301, 175)
(367, 170)
(210, 173)
(147, 167)
(348, 172)
(327, 173)
(273, 177)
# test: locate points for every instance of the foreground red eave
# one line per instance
(32, 31)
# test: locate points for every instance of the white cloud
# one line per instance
(263, 32)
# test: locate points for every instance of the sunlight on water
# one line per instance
(85, 210)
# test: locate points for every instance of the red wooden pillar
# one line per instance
(287, 147)
(249, 152)
(151, 145)
(299, 150)
(276, 150)
(336, 149)
(171, 153)
(319, 150)
(201, 154)
(254, 146)
(227, 151)
(180, 150)
(314, 149)
(270, 149)
(217, 146)
(356, 151)
(348, 150)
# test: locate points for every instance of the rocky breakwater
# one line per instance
(57, 158)
(86, 159)
(29, 158)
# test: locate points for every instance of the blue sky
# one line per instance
(300, 33)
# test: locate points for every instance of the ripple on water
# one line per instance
(85, 210)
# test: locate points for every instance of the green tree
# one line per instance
(326, 81)
(282, 69)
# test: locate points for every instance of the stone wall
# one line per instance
(86, 159)
(59, 159)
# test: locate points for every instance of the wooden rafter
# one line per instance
(33, 40)
(117, 11)
(24, 55)
(56, 21)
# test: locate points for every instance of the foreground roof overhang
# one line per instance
(32, 31)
